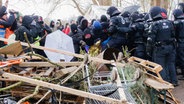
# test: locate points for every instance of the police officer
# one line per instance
(138, 37)
(162, 37)
(179, 27)
(181, 6)
(117, 29)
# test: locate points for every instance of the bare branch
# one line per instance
(77, 6)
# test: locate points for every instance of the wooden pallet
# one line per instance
(155, 80)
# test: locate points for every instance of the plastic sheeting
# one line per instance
(60, 41)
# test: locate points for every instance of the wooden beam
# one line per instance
(61, 88)
(46, 64)
(27, 71)
(95, 59)
(48, 72)
(65, 71)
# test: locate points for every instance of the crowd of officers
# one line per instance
(149, 36)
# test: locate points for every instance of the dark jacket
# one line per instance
(76, 37)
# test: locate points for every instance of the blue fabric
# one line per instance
(97, 25)
(106, 41)
(2, 32)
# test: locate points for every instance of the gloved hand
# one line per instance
(83, 43)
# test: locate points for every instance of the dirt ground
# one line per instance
(179, 91)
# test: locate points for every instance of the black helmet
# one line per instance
(125, 14)
(113, 11)
(181, 6)
(178, 13)
(136, 17)
(155, 12)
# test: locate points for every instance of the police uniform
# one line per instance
(137, 34)
(179, 31)
(117, 29)
(162, 37)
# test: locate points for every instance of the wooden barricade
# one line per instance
(155, 80)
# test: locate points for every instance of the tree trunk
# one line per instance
(0, 2)
(95, 2)
(155, 2)
(105, 2)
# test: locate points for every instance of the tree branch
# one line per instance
(79, 9)
(30, 96)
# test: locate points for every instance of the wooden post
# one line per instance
(95, 59)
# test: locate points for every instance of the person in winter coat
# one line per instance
(7, 25)
(28, 27)
(66, 30)
(79, 18)
(98, 32)
(52, 25)
(42, 30)
(76, 35)
(59, 25)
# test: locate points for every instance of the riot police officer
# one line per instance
(162, 37)
(117, 29)
(138, 35)
(179, 27)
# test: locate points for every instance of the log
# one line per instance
(61, 88)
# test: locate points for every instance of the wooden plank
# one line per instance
(46, 64)
(151, 66)
(157, 85)
(62, 88)
(48, 72)
(65, 71)
(95, 59)
(119, 84)
(41, 73)
(27, 71)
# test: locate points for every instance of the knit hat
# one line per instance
(97, 25)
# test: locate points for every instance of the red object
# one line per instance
(66, 30)
(9, 62)
(164, 15)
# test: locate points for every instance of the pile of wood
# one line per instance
(27, 79)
